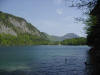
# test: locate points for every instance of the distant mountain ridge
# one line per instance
(61, 38)
(70, 36)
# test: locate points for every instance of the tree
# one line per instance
(88, 4)
(92, 10)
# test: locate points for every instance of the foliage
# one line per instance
(90, 22)
(87, 5)
(25, 39)
(74, 41)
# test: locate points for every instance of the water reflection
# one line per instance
(93, 63)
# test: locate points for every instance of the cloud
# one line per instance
(59, 11)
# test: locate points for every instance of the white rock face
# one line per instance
(22, 26)
(7, 30)
(10, 24)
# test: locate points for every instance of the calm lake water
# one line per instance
(43, 60)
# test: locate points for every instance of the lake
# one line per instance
(43, 60)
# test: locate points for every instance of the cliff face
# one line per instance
(13, 25)
(17, 31)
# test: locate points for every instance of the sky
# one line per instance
(54, 17)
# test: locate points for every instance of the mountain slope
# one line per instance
(15, 25)
(16, 28)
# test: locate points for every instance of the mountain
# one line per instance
(61, 38)
(10, 24)
(70, 36)
(17, 28)
(17, 31)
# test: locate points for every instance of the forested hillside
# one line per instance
(17, 31)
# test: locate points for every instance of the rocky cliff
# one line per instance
(14, 25)
(17, 31)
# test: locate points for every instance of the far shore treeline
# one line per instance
(21, 40)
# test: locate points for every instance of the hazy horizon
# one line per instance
(51, 16)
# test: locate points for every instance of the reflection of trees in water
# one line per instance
(93, 63)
